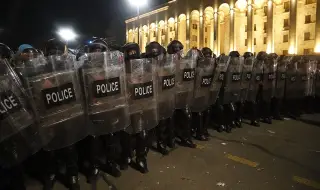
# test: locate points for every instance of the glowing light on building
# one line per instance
(269, 49)
(291, 50)
(317, 48)
(241, 5)
(259, 3)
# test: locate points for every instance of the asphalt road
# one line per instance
(284, 156)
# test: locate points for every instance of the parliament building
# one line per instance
(280, 26)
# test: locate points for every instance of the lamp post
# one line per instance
(67, 34)
(138, 4)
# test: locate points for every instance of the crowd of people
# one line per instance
(103, 109)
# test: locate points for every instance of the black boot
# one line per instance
(239, 113)
(161, 138)
(49, 181)
(50, 170)
(111, 166)
(199, 125)
(142, 150)
(206, 116)
(253, 114)
(73, 183)
(171, 142)
(220, 118)
(126, 153)
(92, 174)
(71, 158)
(183, 120)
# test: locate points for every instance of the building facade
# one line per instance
(280, 26)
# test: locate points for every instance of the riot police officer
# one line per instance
(232, 89)
(255, 89)
(142, 91)
(209, 56)
(102, 75)
(246, 77)
(19, 136)
(276, 102)
(203, 79)
(185, 85)
(166, 95)
(268, 86)
(60, 110)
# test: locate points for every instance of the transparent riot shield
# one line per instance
(256, 80)
(142, 91)
(19, 134)
(269, 76)
(291, 79)
(185, 75)
(281, 76)
(233, 80)
(55, 91)
(303, 77)
(166, 70)
(219, 75)
(104, 83)
(203, 81)
(246, 77)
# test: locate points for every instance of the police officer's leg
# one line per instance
(277, 107)
(183, 122)
(126, 149)
(220, 117)
(228, 118)
(71, 159)
(207, 120)
(142, 149)
(161, 137)
(253, 113)
(199, 126)
(50, 167)
(94, 157)
(111, 167)
(239, 113)
(170, 133)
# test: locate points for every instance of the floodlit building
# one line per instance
(280, 26)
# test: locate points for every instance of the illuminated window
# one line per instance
(255, 27)
(170, 39)
(254, 41)
(171, 29)
(205, 40)
(265, 40)
(286, 23)
(206, 29)
(310, 1)
(265, 25)
(194, 26)
(245, 42)
(285, 52)
(265, 10)
(163, 31)
(286, 6)
(194, 38)
(245, 28)
(154, 34)
(285, 38)
(146, 35)
(307, 51)
(306, 36)
(307, 19)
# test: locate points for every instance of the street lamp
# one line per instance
(138, 4)
(67, 34)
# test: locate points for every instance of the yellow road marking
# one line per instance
(242, 160)
(306, 182)
(199, 146)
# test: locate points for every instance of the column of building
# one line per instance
(293, 27)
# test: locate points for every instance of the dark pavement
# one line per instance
(284, 155)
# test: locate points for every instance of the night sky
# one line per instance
(34, 21)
